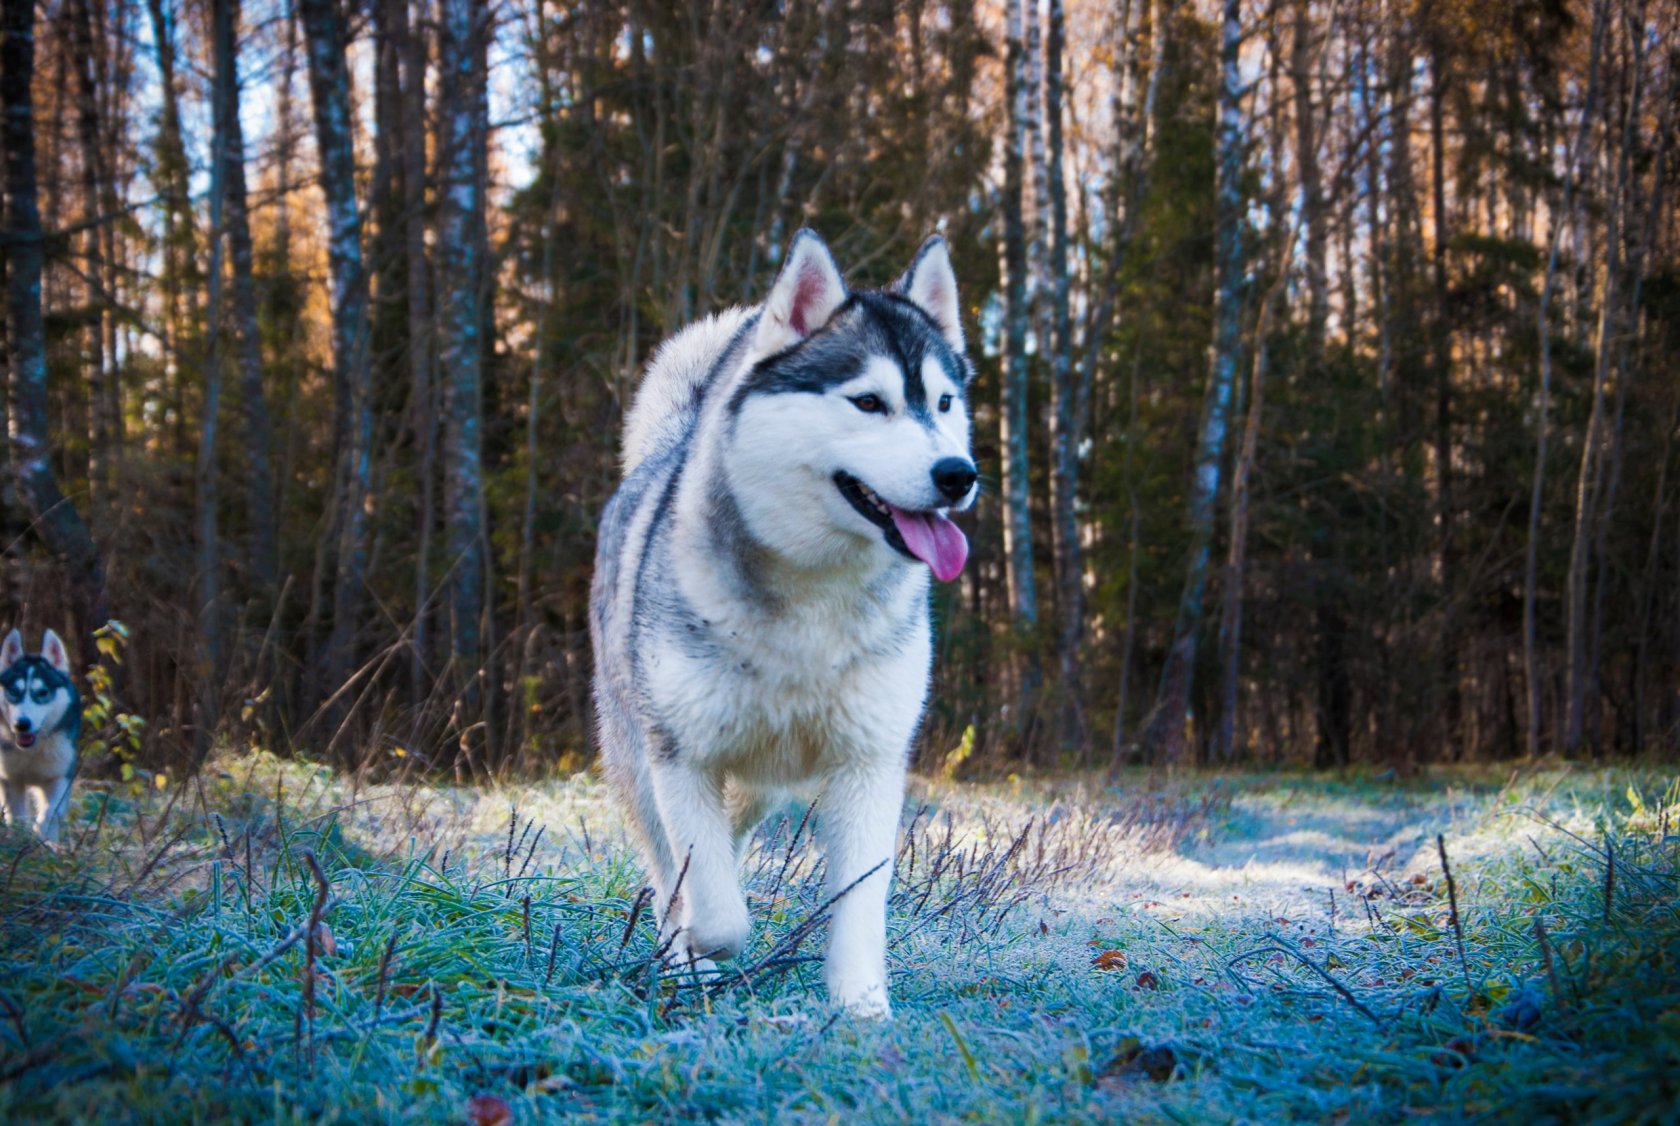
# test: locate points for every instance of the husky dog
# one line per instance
(40, 718)
(760, 605)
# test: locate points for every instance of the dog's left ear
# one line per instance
(52, 648)
(932, 284)
(11, 651)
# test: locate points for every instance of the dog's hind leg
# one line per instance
(709, 906)
(857, 823)
(627, 756)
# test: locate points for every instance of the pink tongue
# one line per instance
(934, 540)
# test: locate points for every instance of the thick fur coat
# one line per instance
(760, 606)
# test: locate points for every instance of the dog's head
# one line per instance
(36, 692)
(851, 430)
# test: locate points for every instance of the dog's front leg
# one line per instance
(54, 798)
(857, 824)
(710, 910)
(14, 804)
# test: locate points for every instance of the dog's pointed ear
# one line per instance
(932, 284)
(52, 648)
(11, 651)
(805, 295)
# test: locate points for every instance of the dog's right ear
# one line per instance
(11, 652)
(805, 295)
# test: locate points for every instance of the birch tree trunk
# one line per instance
(460, 350)
(56, 519)
(1065, 416)
(329, 83)
(1165, 737)
(1014, 417)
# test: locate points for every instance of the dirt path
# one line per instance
(1281, 851)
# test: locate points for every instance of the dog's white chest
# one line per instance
(50, 759)
(788, 699)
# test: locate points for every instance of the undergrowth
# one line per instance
(274, 943)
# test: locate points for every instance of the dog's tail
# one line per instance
(676, 379)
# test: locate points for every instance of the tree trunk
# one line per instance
(1236, 561)
(1441, 360)
(1013, 415)
(460, 349)
(208, 572)
(423, 408)
(1575, 157)
(329, 82)
(180, 249)
(56, 519)
(93, 174)
(1064, 421)
(1589, 478)
(1165, 736)
(263, 553)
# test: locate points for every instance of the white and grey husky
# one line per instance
(40, 718)
(760, 605)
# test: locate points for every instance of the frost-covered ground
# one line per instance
(1185, 949)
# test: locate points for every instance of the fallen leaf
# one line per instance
(1157, 1063)
(1147, 980)
(1455, 1053)
(1109, 960)
(325, 943)
(488, 1110)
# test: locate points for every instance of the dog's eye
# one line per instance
(944, 403)
(869, 404)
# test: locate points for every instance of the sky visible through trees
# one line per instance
(1326, 394)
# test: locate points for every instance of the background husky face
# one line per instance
(857, 436)
(35, 692)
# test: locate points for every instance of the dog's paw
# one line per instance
(719, 933)
(863, 996)
(684, 959)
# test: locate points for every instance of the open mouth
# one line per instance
(927, 536)
(25, 738)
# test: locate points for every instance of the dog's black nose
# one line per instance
(953, 477)
(23, 725)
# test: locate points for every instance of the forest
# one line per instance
(1325, 397)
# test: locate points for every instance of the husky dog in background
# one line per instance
(760, 605)
(40, 718)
